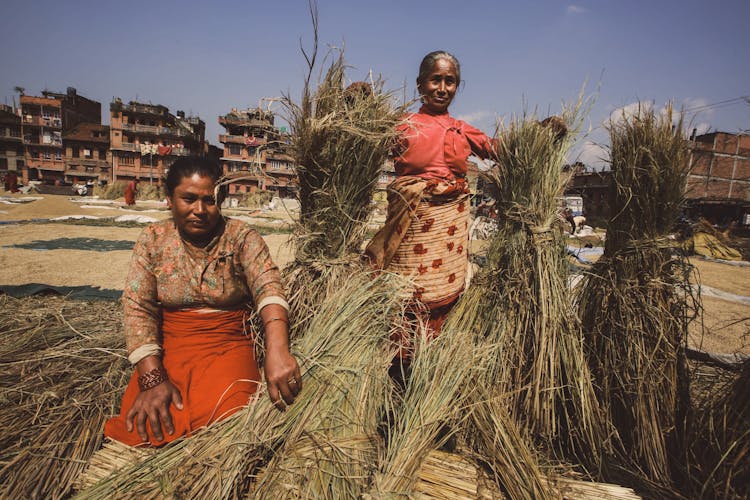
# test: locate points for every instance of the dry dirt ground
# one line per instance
(62, 254)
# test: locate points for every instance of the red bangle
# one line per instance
(152, 378)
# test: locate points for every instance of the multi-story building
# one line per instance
(145, 139)
(256, 154)
(43, 120)
(11, 142)
(87, 154)
(718, 187)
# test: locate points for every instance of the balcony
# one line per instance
(180, 151)
(42, 164)
(86, 162)
(126, 146)
(233, 139)
(10, 134)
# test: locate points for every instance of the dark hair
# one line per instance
(187, 166)
(429, 60)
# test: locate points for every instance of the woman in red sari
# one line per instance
(191, 282)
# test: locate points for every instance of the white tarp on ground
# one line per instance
(143, 219)
(76, 217)
(15, 201)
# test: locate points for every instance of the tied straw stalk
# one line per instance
(526, 321)
(341, 139)
(635, 302)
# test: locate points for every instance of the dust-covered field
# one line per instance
(35, 249)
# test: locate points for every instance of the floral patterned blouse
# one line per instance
(233, 270)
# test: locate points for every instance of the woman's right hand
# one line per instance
(153, 404)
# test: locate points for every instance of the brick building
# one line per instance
(256, 154)
(11, 141)
(592, 186)
(145, 139)
(44, 119)
(718, 187)
(87, 156)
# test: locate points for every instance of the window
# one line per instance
(127, 160)
(74, 152)
(86, 153)
(46, 155)
(102, 154)
(234, 149)
(58, 156)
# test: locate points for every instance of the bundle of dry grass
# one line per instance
(719, 450)
(634, 304)
(435, 401)
(62, 370)
(341, 139)
(337, 407)
(533, 343)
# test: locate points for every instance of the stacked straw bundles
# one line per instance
(634, 302)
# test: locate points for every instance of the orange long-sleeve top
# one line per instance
(437, 146)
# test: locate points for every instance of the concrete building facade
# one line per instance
(87, 158)
(11, 141)
(145, 139)
(256, 154)
(44, 119)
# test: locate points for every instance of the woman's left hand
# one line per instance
(283, 376)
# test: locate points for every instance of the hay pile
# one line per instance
(62, 371)
(635, 302)
(719, 450)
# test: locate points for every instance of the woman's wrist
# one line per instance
(152, 378)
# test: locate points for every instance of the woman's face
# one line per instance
(439, 86)
(194, 209)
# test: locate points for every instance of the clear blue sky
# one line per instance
(207, 57)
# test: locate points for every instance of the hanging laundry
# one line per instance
(165, 150)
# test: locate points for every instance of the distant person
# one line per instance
(192, 284)
(10, 181)
(130, 191)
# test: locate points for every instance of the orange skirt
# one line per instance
(212, 363)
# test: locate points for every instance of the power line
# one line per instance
(723, 103)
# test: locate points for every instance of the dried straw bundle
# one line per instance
(719, 454)
(330, 452)
(634, 303)
(62, 370)
(433, 405)
(341, 139)
(222, 460)
(534, 344)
